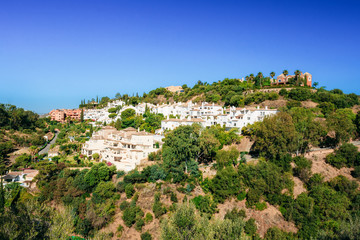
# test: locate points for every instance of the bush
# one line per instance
(129, 190)
(146, 236)
(139, 224)
(204, 204)
(173, 197)
(120, 187)
(283, 92)
(299, 94)
(131, 214)
(120, 174)
(124, 205)
(250, 227)
(158, 209)
(120, 228)
(235, 214)
(241, 196)
(260, 206)
(148, 218)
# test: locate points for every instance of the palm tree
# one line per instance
(315, 84)
(252, 77)
(33, 151)
(272, 75)
(297, 76)
(285, 72)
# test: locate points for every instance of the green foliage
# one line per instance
(265, 180)
(15, 118)
(130, 215)
(293, 104)
(186, 223)
(148, 218)
(129, 190)
(342, 123)
(250, 227)
(260, 206)
(225, 184)
(112, 115)
(124, 205)
(346, 156)
(204, 204)
(235, 214)
(299, 94)
(105, 189)
(275, 136)
(226, 158)
(180, 150)
(139, 224)
(303, 168)
(146, 236)
(158, 208)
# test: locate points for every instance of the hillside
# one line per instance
(294, 175)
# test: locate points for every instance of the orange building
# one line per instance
(60, 115)
(282, 79)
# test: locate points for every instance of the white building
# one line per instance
(187, 113)
(208, 115)
(125, 148)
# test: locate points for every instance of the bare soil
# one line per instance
(329, 172)
(298, 187)
(269, 217)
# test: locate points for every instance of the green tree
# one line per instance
(341, 122)
(275, 136)
(181, 148)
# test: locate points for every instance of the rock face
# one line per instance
(270, 217)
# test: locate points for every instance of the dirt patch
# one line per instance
(309, 104)
(298, 187)
(272, 104)
(329, 172)
(244, 145)
(270, 217)
(356, 109)
(20, 151)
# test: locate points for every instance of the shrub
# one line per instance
(241, 196)
(146, 236)
(173, 197)
(148, 217)
(235, 214)
(124, 205)
(250, 227)
(120, 174)
(120, 228)
(120, 187)
(283, 92)
(204, 204)
(131, 214)
(139, 224)
(260, 206)
(129, 190)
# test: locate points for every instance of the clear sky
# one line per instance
(54, 53)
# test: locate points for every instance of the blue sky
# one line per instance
(55, 53)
